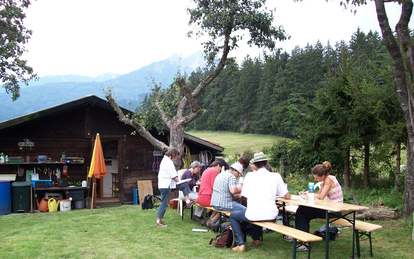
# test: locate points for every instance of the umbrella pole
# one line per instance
(93, 192)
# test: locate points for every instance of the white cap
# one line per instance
(238, 167)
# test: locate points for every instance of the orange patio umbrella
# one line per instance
(97, 168)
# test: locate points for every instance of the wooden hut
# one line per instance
(68, 131)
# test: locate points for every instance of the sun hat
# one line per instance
(259, 157)
(238, 167)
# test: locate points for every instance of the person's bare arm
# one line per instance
(326, 186)
(287, 196)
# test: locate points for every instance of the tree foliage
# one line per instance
(13, 36)
(223, 22)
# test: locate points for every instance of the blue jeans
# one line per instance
(236, 219)
(236, 206)
(165, 197)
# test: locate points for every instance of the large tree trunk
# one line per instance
(366, 165)
(409, 185)
(347, 181)
(401, 84)
(176, 141)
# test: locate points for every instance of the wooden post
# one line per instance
(93, 194)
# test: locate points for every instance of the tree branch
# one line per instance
(219, 68)
(140, 129)
(163, 114)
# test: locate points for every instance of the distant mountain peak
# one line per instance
(50, 91)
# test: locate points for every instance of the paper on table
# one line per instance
(184, 180)
(296, 197)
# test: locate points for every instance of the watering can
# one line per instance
(43, 205)
(53, 205)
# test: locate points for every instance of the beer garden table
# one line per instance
(330, 207)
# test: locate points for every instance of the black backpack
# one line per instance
(225, 239)
(333, 232)
(148, 202)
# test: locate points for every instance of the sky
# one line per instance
(93, 37)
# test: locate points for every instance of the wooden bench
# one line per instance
(296, 234)
(362, 228)
(227, 213)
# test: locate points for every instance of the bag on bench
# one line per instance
(225, 239)
(333, 231)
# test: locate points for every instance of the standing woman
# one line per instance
(330, 188)
(167, 179)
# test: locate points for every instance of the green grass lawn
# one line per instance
(130, 232)
(236, 143)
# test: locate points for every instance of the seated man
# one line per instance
(225, 187)
(260, 188)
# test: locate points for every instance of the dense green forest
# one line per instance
(337, 103)
(329, 103)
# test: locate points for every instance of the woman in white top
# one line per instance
(167, 179)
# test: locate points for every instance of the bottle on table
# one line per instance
(311, 190)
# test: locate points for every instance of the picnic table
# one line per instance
(329, 207)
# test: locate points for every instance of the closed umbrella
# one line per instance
(97, 168)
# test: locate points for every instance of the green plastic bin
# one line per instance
(20, 197)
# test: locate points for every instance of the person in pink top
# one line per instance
(330, 188)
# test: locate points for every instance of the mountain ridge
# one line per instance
(130, 89)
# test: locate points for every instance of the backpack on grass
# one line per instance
(148, 202)
(333, 232)
(225, 239)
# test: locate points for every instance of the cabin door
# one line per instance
(109, 185)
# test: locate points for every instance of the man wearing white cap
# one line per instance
(260, 188)
(224, 189)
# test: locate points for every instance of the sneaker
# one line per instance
(302, 248)
(160, 224)
(288, 238)
(216, 226)
(196, 218)
(256, 243)
(210, 224)
(203, 223)
(240, 249)
(189, 203)
(213, 226)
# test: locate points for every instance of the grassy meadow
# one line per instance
(236, 143)
(129, 232)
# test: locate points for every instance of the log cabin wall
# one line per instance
(74, 132)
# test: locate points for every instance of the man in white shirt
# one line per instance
(260, 188)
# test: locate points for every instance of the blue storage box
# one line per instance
(41, 183)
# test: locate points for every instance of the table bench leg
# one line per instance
(294, 248)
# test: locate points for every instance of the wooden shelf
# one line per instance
(37, 163)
